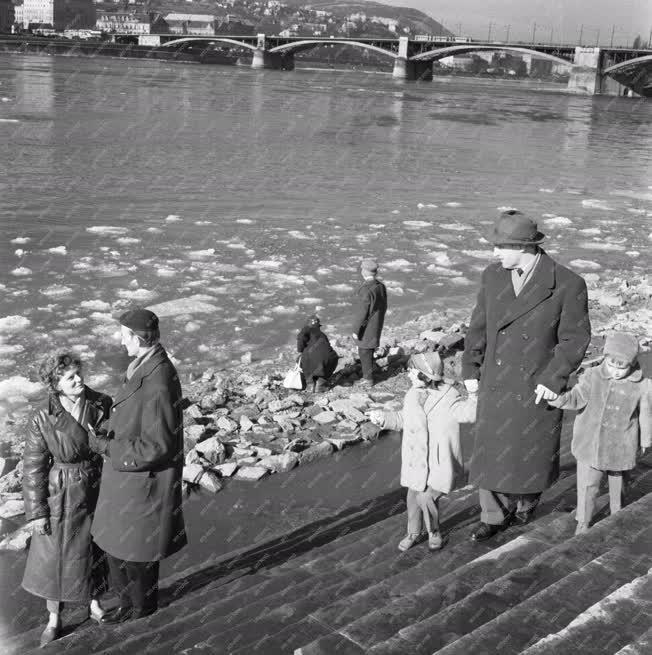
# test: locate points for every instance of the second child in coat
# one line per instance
(431, 453)
(614, 401)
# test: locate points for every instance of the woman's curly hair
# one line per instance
(55, 364)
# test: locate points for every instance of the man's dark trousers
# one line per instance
(136, 583)
(367, 360)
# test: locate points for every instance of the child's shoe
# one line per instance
(581, 528)
(435, 541)
(408, 541)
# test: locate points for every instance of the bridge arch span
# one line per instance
(626, 64)
(440, 53)
(209, 39)
(300, 46)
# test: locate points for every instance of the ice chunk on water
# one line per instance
(594, 203)
(18, 389)
(340, 288)
(57, 290)
(558, 220)
(601, 245)
(97, 305)
(453, 204)
(173, 218)
(417, 224)
(633, 253)
(196, 304)
(585, 264)
(441, 270)
(58, 250)
(398, 265)
(198, 254)
(110, 230)
(12, 324)
(140, 295)
(297, 234)
(479, 254)
(591, 230)
(440, 258)
(127, 240)
(245, 221)
(21, 271)
(21, 240)
(457, 227)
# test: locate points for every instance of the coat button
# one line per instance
(499, 362)
(503, 332)
(525, 336)
(519, 397)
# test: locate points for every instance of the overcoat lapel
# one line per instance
(538, 289)
(131, 386)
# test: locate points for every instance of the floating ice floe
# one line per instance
(19, 252)
(460, 281)
(11, 324)
(443, 271)
(126, 241)
(453, 204)
(417, 223)
(57, 290)
(309, 301)
(196, 304)
(558, 220)
(601, 245)
(340, 288)
(396, 211)
(634, 210)
(266, 264)
(376, 226)
(7, 349)
(21, 271)
(457, 227)
(591, 230)
(236, 246)
(110, 230)
(18, 389)
(546, 190)
(281, 279)
(203, 222)
(282, 309)
(99, 380)
(192, 326)
(636, 195)
(398, 265)
(173, 218)
(9, 120)
(478, 254)
(102, 317)
(198, 254)
(21, 240)
(633, 253)
(505, 208)
(585, 264)
(441, 258)
(297, 234)
(58, 250)
(166, 272)
(154, 230)
(594, 203)
(140, 295)
(245, 221)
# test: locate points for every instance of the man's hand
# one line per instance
(472, 386)
(98, 443)
(545, 393)
(40, 526)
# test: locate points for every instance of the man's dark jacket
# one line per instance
(369, 307)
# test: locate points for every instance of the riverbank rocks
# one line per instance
(12, 481)
(212, 450)
(12, 507)
(17, 540)
(325, 418)
(281, 463)
(320, 450)
(251, 473)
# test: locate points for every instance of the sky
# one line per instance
(563, 19)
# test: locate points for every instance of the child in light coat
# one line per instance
(431, 454)
(614, 423)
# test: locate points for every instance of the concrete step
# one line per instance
(607, 626)
(642, 645)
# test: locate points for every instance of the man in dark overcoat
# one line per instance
(369, 307)
(529, 331)
(138, 520)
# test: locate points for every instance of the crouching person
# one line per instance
(139, 519)
(431, 454)
(614, 422)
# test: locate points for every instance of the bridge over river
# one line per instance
(592, 69)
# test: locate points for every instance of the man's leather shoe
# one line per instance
(485, 531)
(118, 615)
(522, 518)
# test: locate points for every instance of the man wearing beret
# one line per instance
(369, 307)
(139, 520)
(528, 332)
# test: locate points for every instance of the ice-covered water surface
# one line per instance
(245, 201)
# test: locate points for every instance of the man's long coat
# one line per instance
(139, 512)
(513, 344)
(369, 308)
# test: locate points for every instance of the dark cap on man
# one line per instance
(139, 319)
(314, 320)
(513, 228)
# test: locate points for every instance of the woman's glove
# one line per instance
(98, 442)
(40, 526)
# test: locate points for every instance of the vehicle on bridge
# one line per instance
(439, 37)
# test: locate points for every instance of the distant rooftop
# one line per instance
(195, 18)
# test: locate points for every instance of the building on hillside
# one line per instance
(59, 14)
(390, 23)
(195, 24)
(123, 22)
(7, 16)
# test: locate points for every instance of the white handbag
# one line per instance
(293, 379)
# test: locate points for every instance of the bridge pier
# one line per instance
(586, 73)
(404, 69)
(273, 60)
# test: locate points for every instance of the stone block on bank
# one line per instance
(319, 451)
(261, 451)
(17, 540)
(12, 481)
(432, 335)
(325, 418)
(359, 400)
(8, 464)
(341, 441)
(226, 470)
(212, 400)
(210, 482)
(247, 461)
(282, 403)
(246, 423)
(349, 426)
(381, 396)
(369, 432)
(193, 412)
(452, 341)
(251, 473)
(11, 508)
(226, 424)
(281, 463)
(212, 450)
(192, 434)
(192, 473)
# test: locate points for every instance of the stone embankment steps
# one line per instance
(356, 580)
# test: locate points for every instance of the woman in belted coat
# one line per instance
(60, 485)
(318, 359)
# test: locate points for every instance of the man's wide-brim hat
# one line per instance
(513, 228)
(139, 319)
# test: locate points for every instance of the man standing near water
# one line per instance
(529, 331)
(139, 519)
(369, 307)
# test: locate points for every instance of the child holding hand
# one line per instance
(614, 423)
(431, 455)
